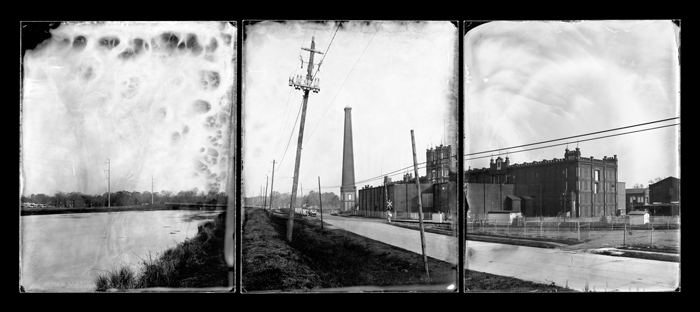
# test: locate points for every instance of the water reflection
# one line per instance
(63, 252)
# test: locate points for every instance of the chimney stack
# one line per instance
(348, 192)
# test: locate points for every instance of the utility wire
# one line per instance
(290, 136)
(341, 86)
(325, 54)
(591, 139)
(571, 137)
(284, 121)
(398, 171)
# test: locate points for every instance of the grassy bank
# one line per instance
(332, 258)
(326, 258)
(195, 263)
(484, 282)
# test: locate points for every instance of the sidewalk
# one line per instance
(576, 269)
(437, 246)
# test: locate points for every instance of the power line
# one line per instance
(591, 139)
(290, 138)
(398, 171)
(328, 48)
(284, 121)
(571, 137)
(341, 86)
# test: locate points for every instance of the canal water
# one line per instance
(64, 252)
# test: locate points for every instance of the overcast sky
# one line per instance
(404, 80)
(161, 113)
(533, 81)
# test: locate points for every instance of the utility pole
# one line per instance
(307, 84)
(108, 182)
(151, 190)
(320, 201)
(265, 198)
(420, 207)
(272, 183)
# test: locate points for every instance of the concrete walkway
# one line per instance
(437, 246)
(573, 268)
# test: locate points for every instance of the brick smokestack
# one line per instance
(348, 190)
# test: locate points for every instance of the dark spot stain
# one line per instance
(213, 44)
(209, 79)
(201, 167)
(79, 42)
(127, 54)
(193, 44)
(170, 39)
(201, 106)
(175, 138)
(185, 129)
(138, 45)
(227, 38)
(212, 152)
(88, 73)
(109, 42)
(181, 46)
(201, 149)
(163, 112)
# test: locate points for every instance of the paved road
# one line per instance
(575, 268)
(542, 265)
(437, 246)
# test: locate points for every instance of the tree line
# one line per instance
(329, 200)
(125, 198)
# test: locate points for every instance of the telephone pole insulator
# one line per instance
(305, 84)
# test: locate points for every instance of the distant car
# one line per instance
(312, 213)
(334, 213)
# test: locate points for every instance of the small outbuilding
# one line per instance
(502, 216)
(638, 217)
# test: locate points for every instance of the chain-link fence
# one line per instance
(656, 232)
(401, 215)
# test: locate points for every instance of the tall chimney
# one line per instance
(348, 192)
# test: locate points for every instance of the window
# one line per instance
(349, 196)
(670, 191)
(498, 164)
(597, 175)
(595, 188)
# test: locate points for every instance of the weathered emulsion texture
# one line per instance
(154, 98)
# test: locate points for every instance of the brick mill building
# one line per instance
(439, 163)
(580, 186)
